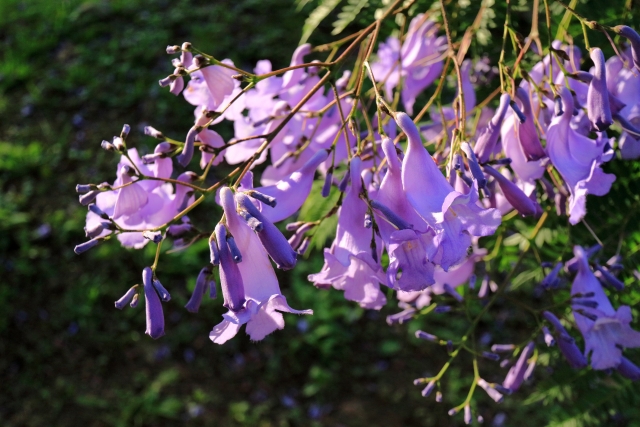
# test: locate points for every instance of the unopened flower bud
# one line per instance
(368, 220)
(152, 132)
(213, 250)
(173, 49)
(187, 150)
(127, 297)
(125, 131)
(429, 388)
(96, 210)
(198, 292)
(548, 338)
(303, 246)
(516, 110)
(491, 356)
(106, 145)
(235, 251)
(154, 236)
(426, 336)
(502, 348)
(83, 247)
(390, 215)
(468, 417)
(344, 181)
(155, 316)
(89, 197)
(449, 290)
(264, 198)
(492, 392)
(326, 187)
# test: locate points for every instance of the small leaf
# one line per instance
(314, 19)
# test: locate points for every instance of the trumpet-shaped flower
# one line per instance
(577, 158)
(455, 217)
(264, 303)
(609, 333)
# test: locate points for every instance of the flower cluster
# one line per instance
(409, 219)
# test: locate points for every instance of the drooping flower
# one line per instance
(264, 302)
(577, 158)
(598, 108)
(609, 333)
(349, 265)
(418, 62)
(153, 306)
(409, 247)
(290, 192)
(455, 217)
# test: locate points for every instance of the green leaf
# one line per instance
(314, 19)
(349, 12)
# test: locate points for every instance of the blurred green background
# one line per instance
(71, 73)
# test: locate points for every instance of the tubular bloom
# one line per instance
(609, 333)
(455, 217)
(578, 159)
(349, 265)
(418, 61)
(263, 301)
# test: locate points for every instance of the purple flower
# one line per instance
(516, 374)
(418, 62)
(566, 344)
(409, 249)
(598, 108)
(610, 331)
(489, 136)
(271, 238)
(231, 280)
(198, 292)
(264, 301)
(153, 306)
(349, 265)
(455, 217)
(634, 38)
(577, 158)
(291, 192)
(514, 195)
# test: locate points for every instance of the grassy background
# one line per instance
(71, 73)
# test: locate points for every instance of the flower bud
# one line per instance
(155, 316)
(83, 247)
(213, 250)
(124, 133)
(106, 145)
(89, 197)
(230, 278)
(154, 236)
(598, 109)
(267, 200)
(96, 210)
(187, 150)
(198, 292)
(449, 290)
(514, 195)
(173, 49)
(468, 417)
(393, 218)
(154, 133)
(426, 336)
(492, 392)
(344, 181)
(127, 297)
(326, 187)
(233, 248)
(164, 294)
(429, 388)
(634, 38)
